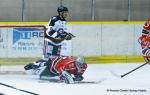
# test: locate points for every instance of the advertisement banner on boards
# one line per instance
(25, 42)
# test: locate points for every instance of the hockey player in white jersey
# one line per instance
(56, 33)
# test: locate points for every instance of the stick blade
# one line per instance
(76, 82)
(116, 75)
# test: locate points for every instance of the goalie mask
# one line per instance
(79, 63)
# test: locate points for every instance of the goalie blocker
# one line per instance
(69, 69)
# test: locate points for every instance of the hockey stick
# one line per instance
(75, 82)
(134, 69)
(123, 75)
(18, 89)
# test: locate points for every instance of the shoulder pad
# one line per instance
(54, 17)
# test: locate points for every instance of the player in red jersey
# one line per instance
(145, 40)
(69, 69)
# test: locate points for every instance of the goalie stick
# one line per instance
(18, 89)
(123, 75)
(76, 82)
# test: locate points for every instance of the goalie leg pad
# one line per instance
(67, 77)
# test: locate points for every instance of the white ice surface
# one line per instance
(137, 81)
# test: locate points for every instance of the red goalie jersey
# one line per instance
(68, 68)
(72, 65)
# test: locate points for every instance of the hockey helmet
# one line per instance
(62, 9)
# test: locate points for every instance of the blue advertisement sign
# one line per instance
(27, 40)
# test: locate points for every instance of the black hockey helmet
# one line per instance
(62, 9)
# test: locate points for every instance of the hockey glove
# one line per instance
(78, 78)
(69, 36)
(67, 77)
(63, 35)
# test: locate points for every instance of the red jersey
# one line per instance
(147, 25)
(60, 64)
(145, 41)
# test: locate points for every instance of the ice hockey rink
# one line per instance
(135, 83)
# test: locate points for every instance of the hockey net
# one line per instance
(20, 44)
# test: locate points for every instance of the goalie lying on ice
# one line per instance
(69, 69)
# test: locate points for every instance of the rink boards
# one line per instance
(105, 45)
(89, 60)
